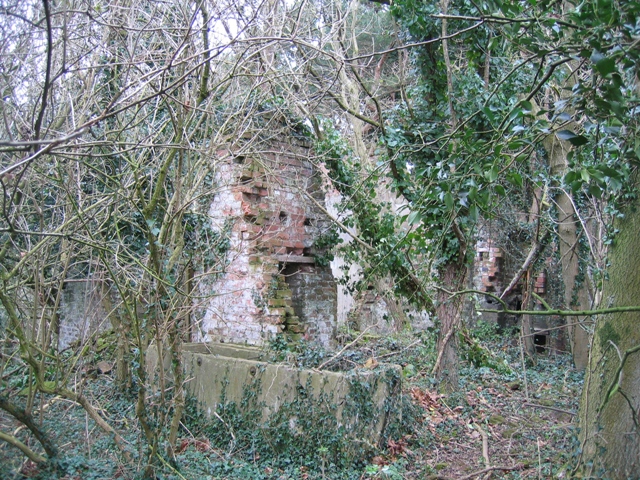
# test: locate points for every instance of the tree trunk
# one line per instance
(609, 432)
(576, 294)
(120, 328)
(448, 311)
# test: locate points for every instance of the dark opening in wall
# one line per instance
(283, 217)
(240, 159)
(291, 273)
(250, 197)
(308, 222)
(540, 341)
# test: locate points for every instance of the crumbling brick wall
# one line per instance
(272, 283)
(493, 274)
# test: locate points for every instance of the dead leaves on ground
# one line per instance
(200, 444)
(437, 409)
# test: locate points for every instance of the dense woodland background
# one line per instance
(436, 122)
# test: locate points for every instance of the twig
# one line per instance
(33, 456)
(617, 378)
(503, 468)
(524, 365)
(555, 409)
(441, 352)
(485, 445)
(170, 467)
(399, 351)
(539, 459)
(553, 312)
(346, 347)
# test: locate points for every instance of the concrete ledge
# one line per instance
(222, 373)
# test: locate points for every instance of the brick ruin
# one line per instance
(270, 206)
(492, 273)
(488, 274)
(273, 283)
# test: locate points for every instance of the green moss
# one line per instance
(305, 424)
(496, 420)
(606, 334)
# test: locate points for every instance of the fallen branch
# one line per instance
(531, 257)
(344, 349)
(560, 410)
(485, 445)
(400, 351)
(503, 468)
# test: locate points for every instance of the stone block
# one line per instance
(292, 320)
(278, 302)
(296, 328)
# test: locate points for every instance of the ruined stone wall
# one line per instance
(492, 274)
(488, 274)
(81, 311)
(272, 283)
(377, 310)
(313, 293)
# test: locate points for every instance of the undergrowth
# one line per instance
(527, 420)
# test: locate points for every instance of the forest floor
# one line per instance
(505, 421)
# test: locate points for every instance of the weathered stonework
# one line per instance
(81, 311)
(492, 275)
(272, 283)
(223, 374)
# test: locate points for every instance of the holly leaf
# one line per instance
(605, 66)
(572, 138)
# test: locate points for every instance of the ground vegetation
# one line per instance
(429, 119)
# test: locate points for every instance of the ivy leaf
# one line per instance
(526, 106)
(448, 200)
(570, 177)
(572, 138)
(493, 43)
(487, 111)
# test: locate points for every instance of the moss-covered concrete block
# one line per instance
(223, 373)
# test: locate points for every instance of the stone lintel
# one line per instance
(295, 259)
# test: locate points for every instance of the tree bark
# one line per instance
(448, 311)
(609, 431)
(576, 294)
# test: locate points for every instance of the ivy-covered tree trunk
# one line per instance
(609, 422)
(449, 310)
(576, 294)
